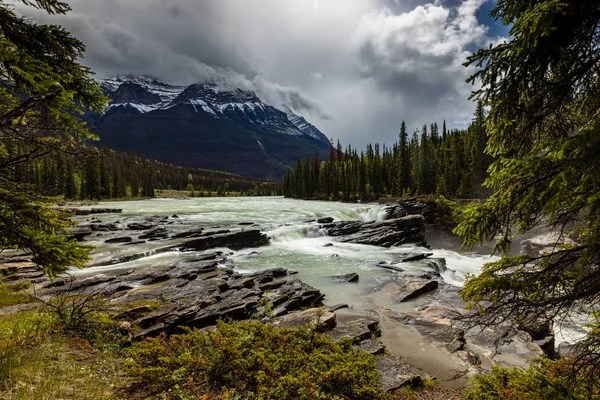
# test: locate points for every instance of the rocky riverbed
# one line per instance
(405, 317)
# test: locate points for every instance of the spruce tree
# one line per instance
(43, 88)
(543, 93)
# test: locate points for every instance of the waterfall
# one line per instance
(288, 233)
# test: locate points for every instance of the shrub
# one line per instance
(544, 379)
(256, 360)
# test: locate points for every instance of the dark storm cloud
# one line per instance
(354, 68)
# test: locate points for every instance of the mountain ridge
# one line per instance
(205, 125)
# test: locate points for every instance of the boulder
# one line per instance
(80, 233)
(233, 240)
(323, 319)
(188, 234)
(351, 277)
(123, 239)
(412, 290)
(336, 307)
(407, 257)
(371, 346)
(325, 220)
(395, 232)
(396, 211)
(155, 233)
(396, 373)
(357, 330)
(140, 226)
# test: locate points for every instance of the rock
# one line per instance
(78, 211)
(544, 243)
(343, 228)
(188, 234)
(80, 233)
(245, 223)
(386, 265)
(371, 346)
(328, 245)
(396, 373)
(333, 256)
(407, 257)
(125, 327)
(456, 345)
(337, 307)
(156, 233)
(409, 229)
(154, 330)
(324, 319)
(134, 313)
(325, 220)
(134, 243)
(565, 349)
(140, 226)
(357, 330)
(415, 289)
(175, 216)
(234, 241)
(123, 239)
(397, 211)
(351, 277)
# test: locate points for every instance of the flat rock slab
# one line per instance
(391, 267)
(407, 257)
(124, 239)
(415, 289)
(357, 330)
(325, 319)
(371, 346)
(351, 277)
(396, 373)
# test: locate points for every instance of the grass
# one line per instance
(13, 294)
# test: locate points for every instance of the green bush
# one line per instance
(256, 360)
(545, 379)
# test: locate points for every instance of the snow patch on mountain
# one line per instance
(217, 100)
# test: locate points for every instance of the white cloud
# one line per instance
(384, 60)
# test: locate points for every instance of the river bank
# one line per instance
(209, 259)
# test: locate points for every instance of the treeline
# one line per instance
(446, 162)
(102, 173)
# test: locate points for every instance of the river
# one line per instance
(295, 244)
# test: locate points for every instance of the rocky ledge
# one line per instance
(394, 232)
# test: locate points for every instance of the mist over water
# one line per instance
(297, 244)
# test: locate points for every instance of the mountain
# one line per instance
(204, 125)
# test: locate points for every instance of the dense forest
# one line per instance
(102, 173)
(446, 162)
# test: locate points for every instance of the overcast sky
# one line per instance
(354, 68)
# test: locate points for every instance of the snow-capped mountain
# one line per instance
(205, 125)
(147, 94)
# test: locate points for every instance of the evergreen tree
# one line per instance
(404, 172)
(43, 87)
(542, 89)
(70, 189)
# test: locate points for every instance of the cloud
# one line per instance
(356, 69)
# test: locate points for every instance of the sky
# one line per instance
(354, 68)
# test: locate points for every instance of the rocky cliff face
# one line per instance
(213, 126)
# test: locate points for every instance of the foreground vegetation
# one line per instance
(72, 347)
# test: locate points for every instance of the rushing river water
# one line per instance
(295, 243)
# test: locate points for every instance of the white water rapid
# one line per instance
(295, 244)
